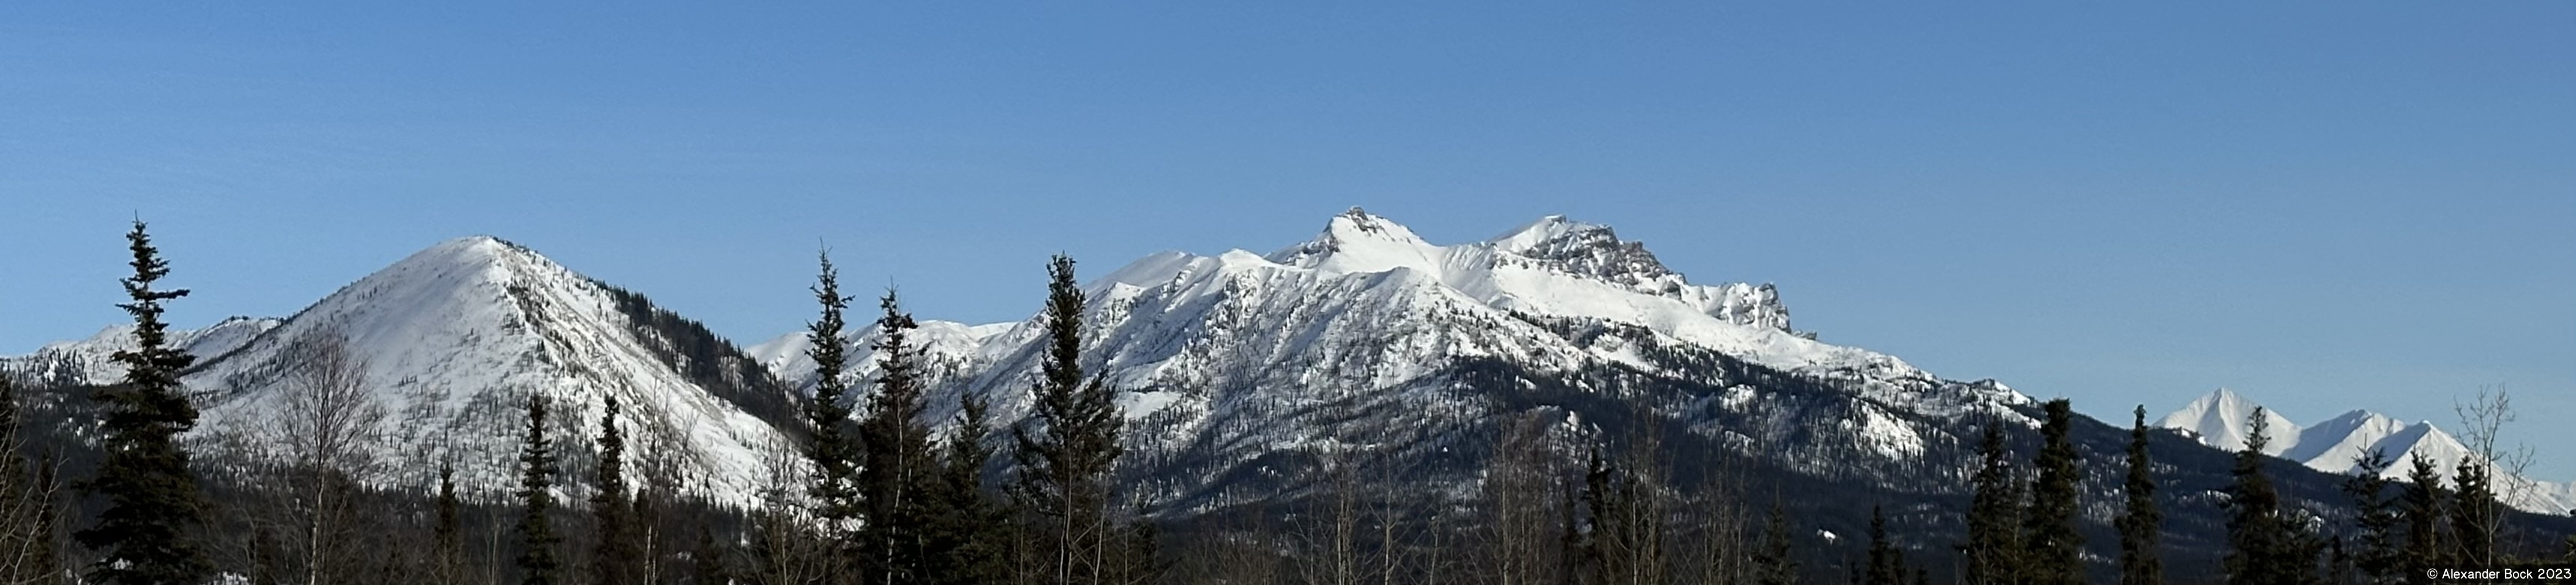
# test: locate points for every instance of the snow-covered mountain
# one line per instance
(2224, 419)
(1235, 360)
(87, 361)
(2221, 419)
(453, 339)
(1242, 373)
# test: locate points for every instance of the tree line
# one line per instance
(869, 491)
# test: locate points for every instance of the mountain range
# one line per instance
(2223, 419)
(1241, 374)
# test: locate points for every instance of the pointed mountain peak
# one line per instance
(476, 248)
(479, 320)
(2222, 419)
(2335, 444)
(1358, 241)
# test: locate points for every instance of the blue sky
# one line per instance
(2324, 205)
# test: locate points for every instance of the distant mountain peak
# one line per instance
(1357, 241)
(2335, 445)
(2223, 419)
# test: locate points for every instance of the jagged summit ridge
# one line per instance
(1553, 267)
(1227, 359)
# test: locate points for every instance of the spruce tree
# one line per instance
(2140, 523)
(536, 531)
(1994, 515)
(2375, 516)
(448, 531)
(706, 561)
(614, 554)
(2421, 505)
(2263, 548)
(2054, 548)
(1771, 562)
(833, 450)
(2339, 570)
(969, 533)
(153, 501)
(1883, 561)
(1598, 561)
(896, 466)
(2474, 506)
(1069, 445)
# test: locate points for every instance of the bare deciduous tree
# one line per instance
(786, 547)
(2482, 421)
(29, 498)
(1521, 505)
(329, 425)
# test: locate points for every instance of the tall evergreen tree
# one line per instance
(1624, 546)
(1598, 545)
(706, 561)
(448, 534)
(2421, 505)
(896, 465)
(2339, 569)
(2054, 548)
(2375, 516)
(2263, 548)
(1994, 549)
(153, 501)
(615, 554)
(1067, 449)
(536, 530)
(1771, 562)
(1884, 561)
(2473, 505)
(969, 532)
(2140, 523)
(833, 451)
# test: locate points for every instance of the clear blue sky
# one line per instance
(2324, 205)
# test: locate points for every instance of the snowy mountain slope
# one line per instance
(87, 361)
(1244, 373)
(2333, 446)
(1233, 361)
(950, 347)
(2223, 419)
(453, 339)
